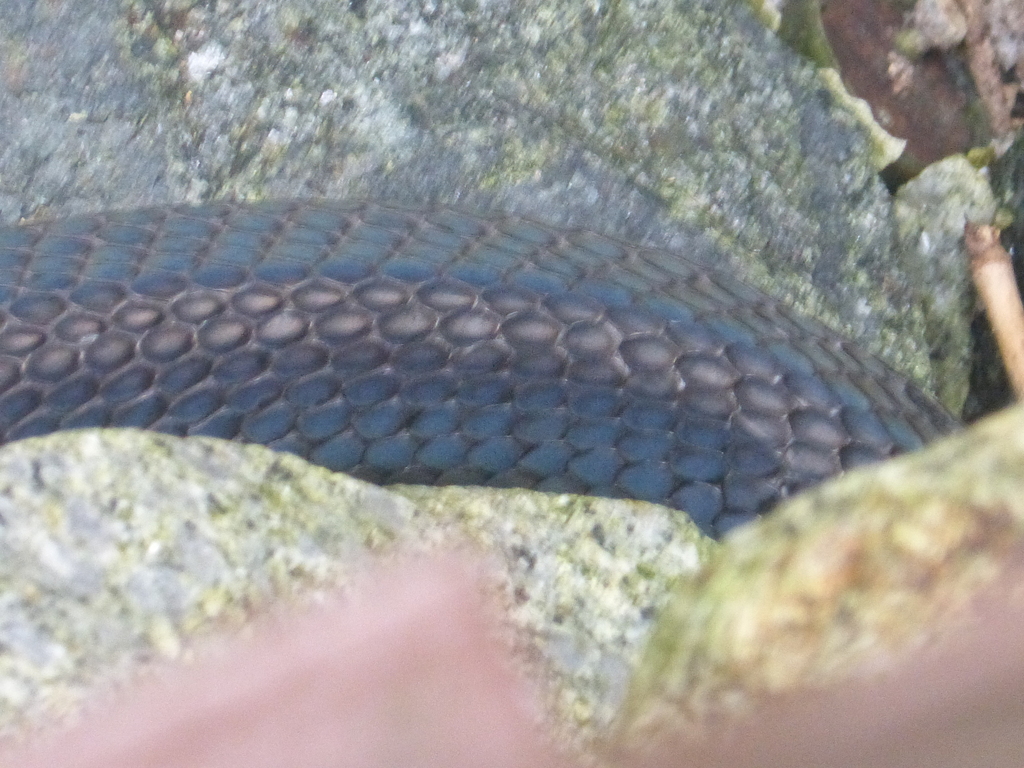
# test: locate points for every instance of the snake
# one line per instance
(439, 346)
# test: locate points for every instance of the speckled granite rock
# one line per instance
(684, 124)
(117, 546)
(931, 211)
(869, 564)
(587, 579)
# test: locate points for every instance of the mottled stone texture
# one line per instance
(931, 210)
(120, 547)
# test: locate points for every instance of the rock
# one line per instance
(121, 547)
(941, 23)
(1006, 22)
(868, 565)
(586, 579)
(118, 545)
(931, 210)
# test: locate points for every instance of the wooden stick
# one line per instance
(997, 286)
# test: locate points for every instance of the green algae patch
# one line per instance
(120, 547)
(930, 211)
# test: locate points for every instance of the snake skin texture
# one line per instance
(434, 346)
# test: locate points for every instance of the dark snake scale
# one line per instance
(440, 347)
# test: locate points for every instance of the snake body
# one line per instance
(435, 346)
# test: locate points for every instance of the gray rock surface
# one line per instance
(1006, 18)
(120, 547)
(116, 546)
(931, 210)
(687, 125)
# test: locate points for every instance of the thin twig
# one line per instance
(993, 277)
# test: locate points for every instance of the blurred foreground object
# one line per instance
(957, 704)
(406, 673)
